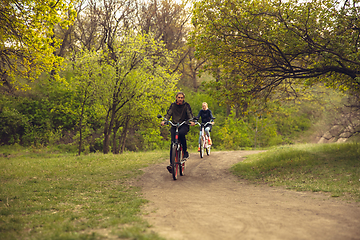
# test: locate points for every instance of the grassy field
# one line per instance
(332, 168)
(50, 194)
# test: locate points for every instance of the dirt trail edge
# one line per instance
(210, 203)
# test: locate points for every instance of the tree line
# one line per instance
(98, 72)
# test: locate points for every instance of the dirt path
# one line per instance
(214, 204)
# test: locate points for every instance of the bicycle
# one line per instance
(204, 140)
(176, 158)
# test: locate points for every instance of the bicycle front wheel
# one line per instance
(174, 161)
(202, 147)
(181, 163)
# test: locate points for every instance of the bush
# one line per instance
(233, 134)
(265, 133)
(12, 126)
(97, 145)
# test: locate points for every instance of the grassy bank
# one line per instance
(49, 195)
(331, 168)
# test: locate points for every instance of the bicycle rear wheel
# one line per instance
(174, 162)
(208, 149)
(182, 163)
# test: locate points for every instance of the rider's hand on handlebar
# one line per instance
(192, 123)
(162, 123)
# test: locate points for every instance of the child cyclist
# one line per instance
(206, 116)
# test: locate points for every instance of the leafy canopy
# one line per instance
(264, 45)
(27, 41)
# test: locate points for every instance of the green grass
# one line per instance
(331, 168)
(49, 195)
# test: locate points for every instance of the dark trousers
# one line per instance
(183, 130)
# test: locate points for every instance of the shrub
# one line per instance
(12, 125)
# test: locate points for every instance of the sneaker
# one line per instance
(186, 154)
(169, 169)
(210, 142)
(199, 149)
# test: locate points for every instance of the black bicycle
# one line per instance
(177, 154)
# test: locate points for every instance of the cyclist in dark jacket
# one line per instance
(206, 116)
(180, 111)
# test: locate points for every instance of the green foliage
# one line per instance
(197, 98)
(332, 168)
(64, 102)
(27, 40)
(12, 125)
(151, 140)
(233, 134)
(141, 74)
(259, 48)
(290, 122)
(259, 127)
(90, 77)
(264, 131)
(45, 113)
(138, 84)
(96, 145)
(29, 121)
(26, 122)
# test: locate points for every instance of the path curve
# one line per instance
(213, 204)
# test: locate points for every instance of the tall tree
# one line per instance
(141, 65)
(169, 20)
(270, 45)
(27, 40)
(91, 74)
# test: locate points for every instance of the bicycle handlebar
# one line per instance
(174, 124)
(203, 124)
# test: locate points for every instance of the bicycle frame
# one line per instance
(176, 159)
(177, 162)
(204, 144)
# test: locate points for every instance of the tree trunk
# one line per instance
(80, 140)
(81, 120)
(115, 130)
(114, 148)
(123, 135)
(123, 139)
(228, 110)
(107, 130)
(106, 141)
(194, 81)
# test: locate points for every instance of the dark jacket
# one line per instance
(179, 113)
(206, 115)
